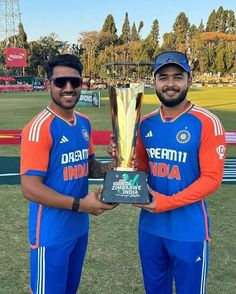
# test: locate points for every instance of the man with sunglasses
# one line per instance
(182, 149)
(57, 156)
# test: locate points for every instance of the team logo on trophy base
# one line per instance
(125, 187)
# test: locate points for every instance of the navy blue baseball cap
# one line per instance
(172, 57)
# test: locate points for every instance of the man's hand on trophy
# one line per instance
(111, 165)
(113, 151)
(134, 162)
(112, 147)
(152, 206)
(92, 204)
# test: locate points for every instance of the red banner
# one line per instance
(16, 87)
(16, 57)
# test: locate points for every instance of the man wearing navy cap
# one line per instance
(181, 147)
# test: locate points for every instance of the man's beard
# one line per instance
(59, 103)
(174, 102)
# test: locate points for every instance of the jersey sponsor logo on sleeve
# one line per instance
(221, 151)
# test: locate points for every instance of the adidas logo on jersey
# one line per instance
(198, 259)
(149, 134)
(64, 139)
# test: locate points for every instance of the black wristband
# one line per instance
(75, 205)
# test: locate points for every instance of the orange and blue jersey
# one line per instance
(57, 150)
(184, 159)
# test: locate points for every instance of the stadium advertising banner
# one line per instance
(16, 57)
(16, 88)
(89, 98)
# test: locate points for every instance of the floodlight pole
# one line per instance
(10, 19)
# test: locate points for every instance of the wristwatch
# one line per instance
(76, 203)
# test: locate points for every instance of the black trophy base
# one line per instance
(128, 187)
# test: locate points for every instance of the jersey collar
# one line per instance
(168, 119)
(71, 122)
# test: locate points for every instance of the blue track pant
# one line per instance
(57, 269)
(164, 261)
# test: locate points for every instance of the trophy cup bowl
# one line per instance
(124, 185)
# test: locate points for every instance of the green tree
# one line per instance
(201, 26)
(211, 22)
(168, 42)
(211, 58)
(35, 57)
(141, 24)
(75, 49)
(2, 57)
(92, 43)
(151, 43)
(22, 37)
(181, 32)
(221, 21)
(193, 34)
(219, 41)
(230, 22)
(230, 57)
(125, 33)
(221, 16)
(134, 33)
(110, 27)
(196, 47)
(220, 58)
(44, 49)
(19, 40)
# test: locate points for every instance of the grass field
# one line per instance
(112, 264)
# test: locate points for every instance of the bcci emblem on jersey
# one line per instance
(183, 136)
(85, 134)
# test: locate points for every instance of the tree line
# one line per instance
(210, 47)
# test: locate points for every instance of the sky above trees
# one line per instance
(68, 19)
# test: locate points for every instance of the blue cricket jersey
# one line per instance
(184, 159)
(58, 150)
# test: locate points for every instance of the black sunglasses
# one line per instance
(61, 82)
